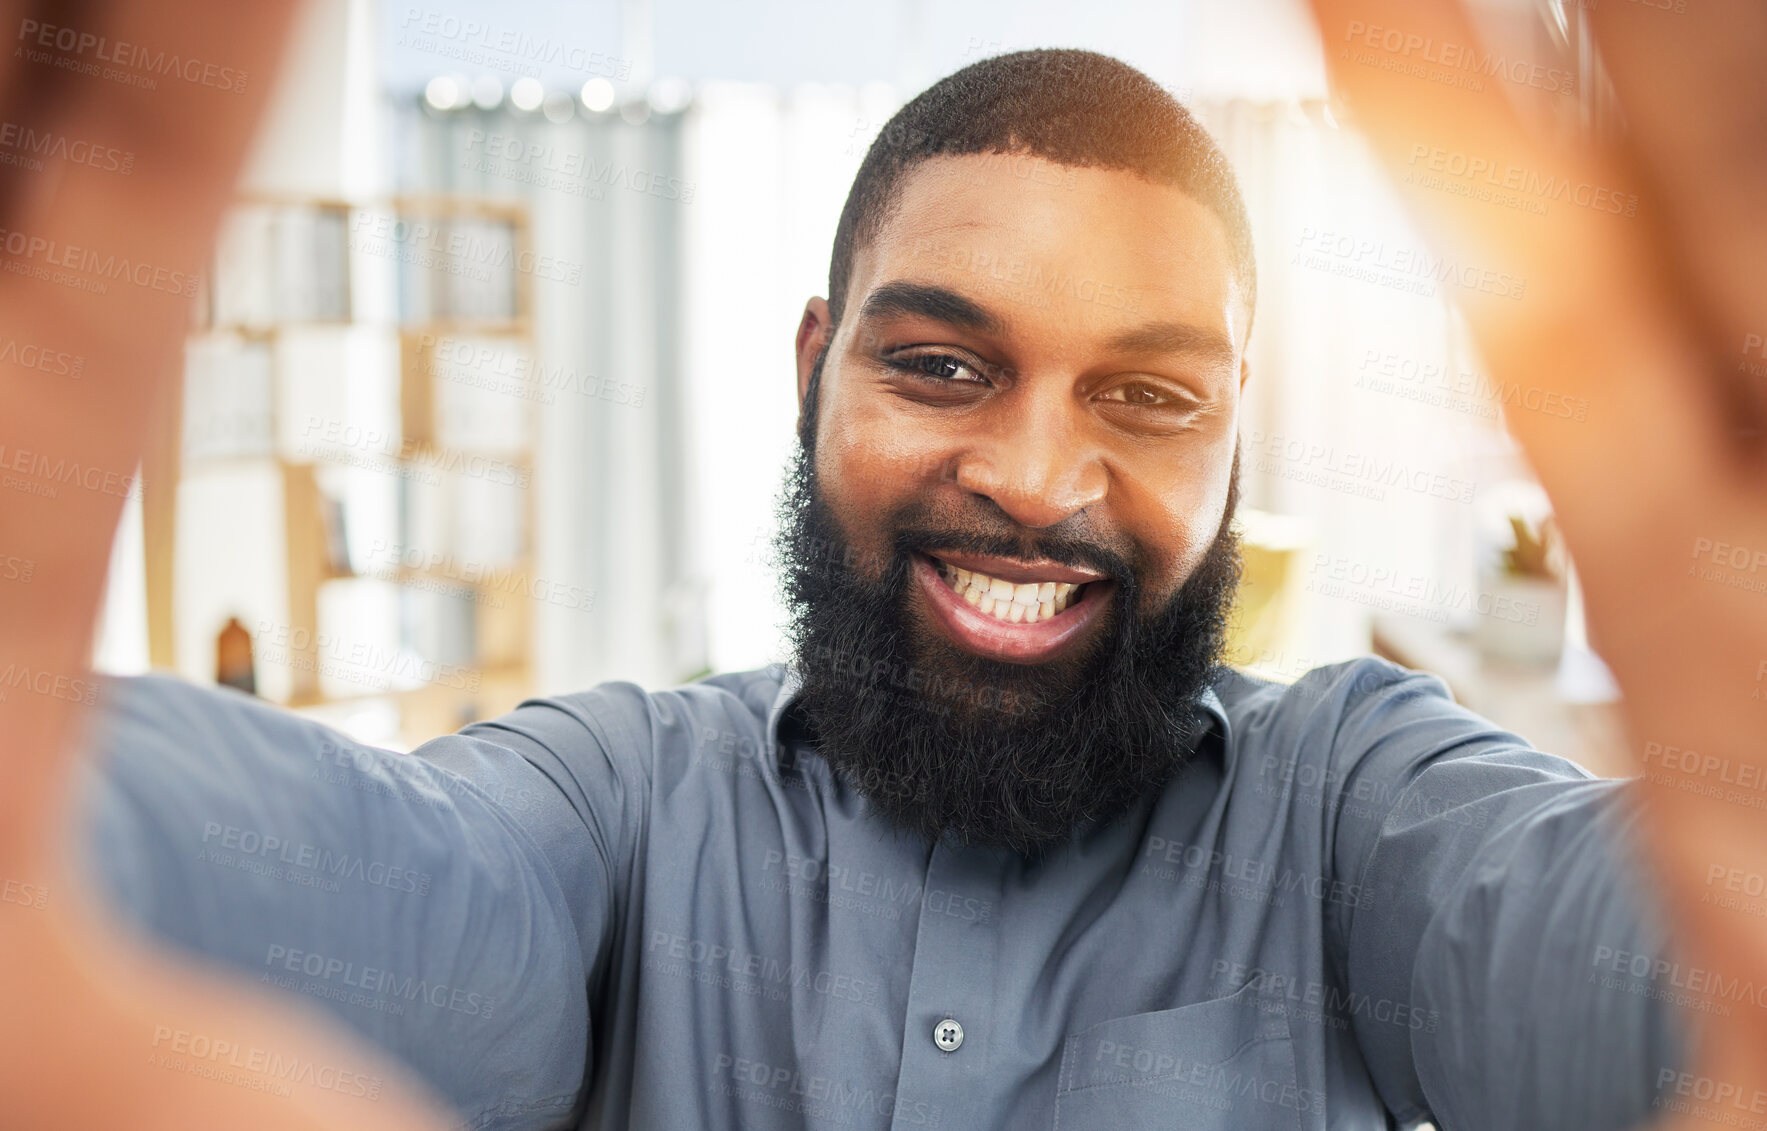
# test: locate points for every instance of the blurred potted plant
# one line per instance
(1521, 603)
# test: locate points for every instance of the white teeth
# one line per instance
(1025, 603)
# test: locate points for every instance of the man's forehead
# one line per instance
(1032, 237)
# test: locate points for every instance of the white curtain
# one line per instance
(609, 201)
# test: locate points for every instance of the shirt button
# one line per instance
(948, 1035)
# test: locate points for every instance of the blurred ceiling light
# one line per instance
(670, 95)
(635, 113)
(487, 92)
(527, 94)
(598, 94)
(444, 92)
(559, 106)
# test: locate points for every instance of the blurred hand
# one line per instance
(115, 165)
(1658, 318)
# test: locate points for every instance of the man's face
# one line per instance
(1006, 540)
(1028, 347)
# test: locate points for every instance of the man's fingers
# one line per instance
(1694, 93)
(1590, 320)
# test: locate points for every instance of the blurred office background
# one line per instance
(491, 391)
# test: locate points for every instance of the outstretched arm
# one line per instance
(92, 1020)
(1657, 321)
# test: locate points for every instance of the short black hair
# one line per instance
(1076, 108)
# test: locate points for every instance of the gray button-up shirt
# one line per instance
(1359, 904)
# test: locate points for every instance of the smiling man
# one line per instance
(1004, 846)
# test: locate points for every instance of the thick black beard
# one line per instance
(948, 744)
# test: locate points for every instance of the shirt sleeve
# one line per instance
(419, 899)
(1499, 884)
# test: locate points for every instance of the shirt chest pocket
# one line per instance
(1223, 1064)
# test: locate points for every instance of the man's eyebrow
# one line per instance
(1176, 338)
(925, 300)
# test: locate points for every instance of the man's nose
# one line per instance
(1036, 467)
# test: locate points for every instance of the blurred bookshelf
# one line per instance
(352, 477)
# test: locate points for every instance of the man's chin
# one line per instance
(973, 746)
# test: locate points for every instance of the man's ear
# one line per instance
(813, 333)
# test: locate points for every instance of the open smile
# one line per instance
(1020, 612)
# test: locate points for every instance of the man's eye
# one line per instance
(942, 366)
(1137, 393)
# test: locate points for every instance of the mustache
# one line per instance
(918, 528)
(1007, 544)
